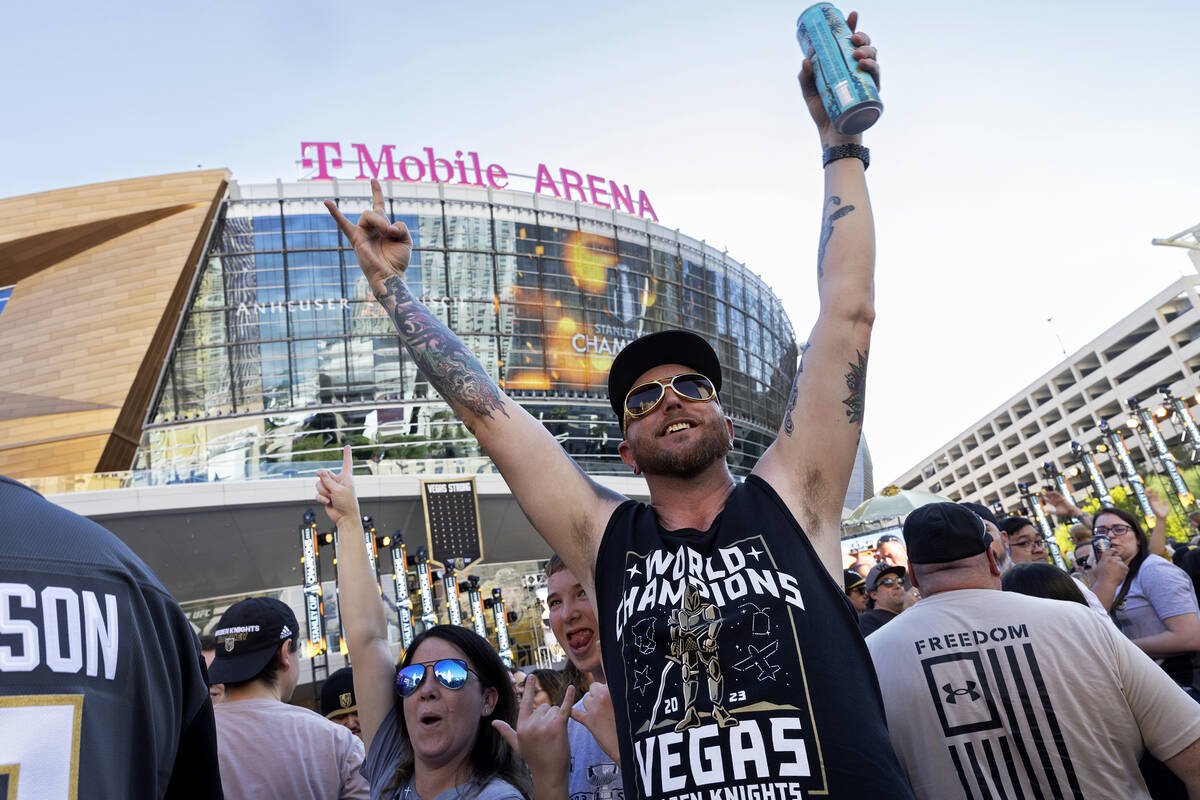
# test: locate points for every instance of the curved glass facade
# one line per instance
(283, 355)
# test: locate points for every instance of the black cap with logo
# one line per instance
(655, 349)
(337, 694)
(247, 637)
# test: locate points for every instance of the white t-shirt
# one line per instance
(270, 749)
(985, 690)
(1093, 602)
(593, 776)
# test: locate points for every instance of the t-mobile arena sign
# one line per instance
(465, 169)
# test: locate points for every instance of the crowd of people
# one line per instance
(719, 647)
(1137, 646)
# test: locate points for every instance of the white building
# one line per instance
(1157, 345)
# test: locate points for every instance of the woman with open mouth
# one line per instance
(427, 724)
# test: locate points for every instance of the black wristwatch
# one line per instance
(846, 151)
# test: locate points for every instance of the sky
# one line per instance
(1027, 153)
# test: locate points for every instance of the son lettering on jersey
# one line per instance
(715, 689)
(64, 629)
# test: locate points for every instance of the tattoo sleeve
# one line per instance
(856, 382)
(827, 229)
(450, 367)
(789, 424)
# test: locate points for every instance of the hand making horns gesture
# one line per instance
(383, 248)
(541, 734)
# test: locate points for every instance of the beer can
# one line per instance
(849, 95)
(1100, 544)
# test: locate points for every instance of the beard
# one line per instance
(711, 446)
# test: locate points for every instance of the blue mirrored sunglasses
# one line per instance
(450, 672)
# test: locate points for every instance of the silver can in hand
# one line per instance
(849, 95)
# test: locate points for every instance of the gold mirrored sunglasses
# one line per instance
(645, 397)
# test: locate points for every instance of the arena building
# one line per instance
(183, 352)
(1154, 347)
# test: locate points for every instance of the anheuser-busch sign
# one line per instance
(466, 169)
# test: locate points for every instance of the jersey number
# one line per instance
(39, 745)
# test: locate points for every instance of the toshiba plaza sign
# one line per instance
(323, 161)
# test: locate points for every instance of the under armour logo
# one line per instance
(952, 693)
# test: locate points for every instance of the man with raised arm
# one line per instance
(731, 653)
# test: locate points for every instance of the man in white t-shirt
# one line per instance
(267, 748)
(982, 687)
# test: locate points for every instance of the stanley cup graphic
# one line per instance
(601, 776)
(624, 299)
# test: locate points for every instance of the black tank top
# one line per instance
(734, 661)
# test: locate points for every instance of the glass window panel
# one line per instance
(468, 226)
(319, 317)
(515, 229)
(693, 311)
(423, 218)
(474, 316)
(276, 376)
(314, 274)
(429, 229)
(210, 293)
(313, 229)
(471, 276)
(202, 381)
(319, 367)
(203, 328)
(374, 367)
(524, 361)
(165, 410)
(246, 365)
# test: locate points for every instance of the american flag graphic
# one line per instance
(1000, 728)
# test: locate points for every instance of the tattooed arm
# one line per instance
(571, 513)
(810, 462)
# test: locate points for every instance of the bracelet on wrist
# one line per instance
(846, 151)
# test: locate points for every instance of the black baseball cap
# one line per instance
(942, 532)
(337, 694)
(247, 637)
(982, 511)
(879, 570)
(655, 349)
(852, 580)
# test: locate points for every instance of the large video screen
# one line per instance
(580, 297)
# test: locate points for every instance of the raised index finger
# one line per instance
(376, 196)
(527, 699)
(348, 227)
(564, 711)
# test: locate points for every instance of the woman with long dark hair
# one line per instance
(1042, 580)
(427, 725)
(550, 687)
(1155, 606)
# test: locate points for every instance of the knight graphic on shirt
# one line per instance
(727, 628)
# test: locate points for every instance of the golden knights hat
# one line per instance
(337, 694)
(247, 637)
(655, 349)
(852, 580)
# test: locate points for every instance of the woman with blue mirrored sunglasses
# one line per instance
(450, 672)
(427, 724)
